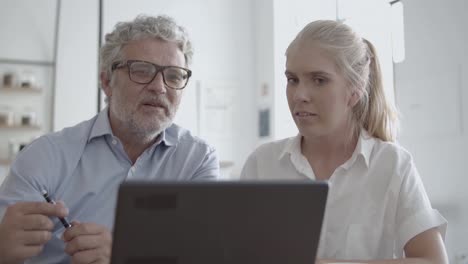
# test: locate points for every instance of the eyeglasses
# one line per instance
(144, 72)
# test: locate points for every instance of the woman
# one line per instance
(377, 208)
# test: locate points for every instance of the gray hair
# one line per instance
(160, 27)
(357, 60)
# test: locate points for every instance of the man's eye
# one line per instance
(175, 77)
(141, 71)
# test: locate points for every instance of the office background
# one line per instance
(238, 76)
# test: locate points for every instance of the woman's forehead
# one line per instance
(305, 57)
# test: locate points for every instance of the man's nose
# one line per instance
(157, 84)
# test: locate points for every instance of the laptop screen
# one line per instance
(218, 222)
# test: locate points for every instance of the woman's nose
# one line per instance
(301, 93)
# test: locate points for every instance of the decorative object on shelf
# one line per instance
(28, 118)
(9, 80)
(27, 80)
(15, 147)
(6, 117)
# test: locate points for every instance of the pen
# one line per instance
(50, 200)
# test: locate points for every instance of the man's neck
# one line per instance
(135, 145)
(134, 142)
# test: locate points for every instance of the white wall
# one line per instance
(264, 87)
(36, 22)
(432, 95)
(77, 61)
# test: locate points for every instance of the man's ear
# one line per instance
(105, 83)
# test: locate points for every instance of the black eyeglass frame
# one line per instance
(159, 68)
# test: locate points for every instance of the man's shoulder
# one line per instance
(54, 152)
(183, 136)
(77, 133)
(66, 141)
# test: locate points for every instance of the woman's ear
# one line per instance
(354, 98)
(105, 83)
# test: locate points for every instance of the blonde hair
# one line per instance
(357, 59)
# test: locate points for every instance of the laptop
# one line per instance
(218, 222)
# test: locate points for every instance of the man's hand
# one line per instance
(88, 243)
(26, 228)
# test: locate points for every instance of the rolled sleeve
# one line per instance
(415, 213)
(420, 222)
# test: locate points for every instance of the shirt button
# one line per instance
(114, 141)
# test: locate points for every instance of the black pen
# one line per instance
(50, 200)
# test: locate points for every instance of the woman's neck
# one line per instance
(326, 153)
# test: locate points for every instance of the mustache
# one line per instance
(158, 101)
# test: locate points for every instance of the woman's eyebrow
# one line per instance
(323, 73)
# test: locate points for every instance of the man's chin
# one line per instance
(155, 127)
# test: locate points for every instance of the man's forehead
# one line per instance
(154, 50)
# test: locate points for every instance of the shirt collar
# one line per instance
(364, 148)
(365, 145)
(169, 136)
(102, 127)
(293, 145)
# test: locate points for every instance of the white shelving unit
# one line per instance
(27, 72)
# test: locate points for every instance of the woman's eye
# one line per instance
(291, 80)
(319, 81)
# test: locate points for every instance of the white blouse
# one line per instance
(376, 202)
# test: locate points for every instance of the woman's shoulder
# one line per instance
(276, 147)
(263, 163)
(270, 151)
(390, 153)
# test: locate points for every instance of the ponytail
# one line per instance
(381, 119)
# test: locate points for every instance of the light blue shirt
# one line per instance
(84, 165)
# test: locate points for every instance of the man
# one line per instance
(143, 71)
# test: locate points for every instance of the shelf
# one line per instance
(5, 162)
(27, 62)
(20, 127)
(18, 89)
